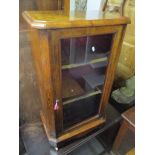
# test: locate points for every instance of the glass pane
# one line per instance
(84, 62)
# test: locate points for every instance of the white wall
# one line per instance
(92, 5)
(95, 5)
(72, 5)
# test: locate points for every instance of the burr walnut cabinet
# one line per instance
(75, 56)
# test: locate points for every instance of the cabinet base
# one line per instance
(72, 134)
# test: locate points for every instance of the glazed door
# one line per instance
(84, 59)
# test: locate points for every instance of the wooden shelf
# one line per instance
(83, 64)
(83, 97)
(70, 87)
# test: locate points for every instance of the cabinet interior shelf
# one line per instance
(82, 97)
(83, 64)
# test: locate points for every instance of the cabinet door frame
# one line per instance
(56, 36)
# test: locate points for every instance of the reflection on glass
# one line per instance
(84, 61)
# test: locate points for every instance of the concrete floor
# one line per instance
(93, 147)
(36, 143)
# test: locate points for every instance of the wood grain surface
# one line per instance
(58, 19)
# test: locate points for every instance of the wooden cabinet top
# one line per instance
(59, 19)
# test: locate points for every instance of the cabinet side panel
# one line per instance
(110, 73)
(40, 53)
